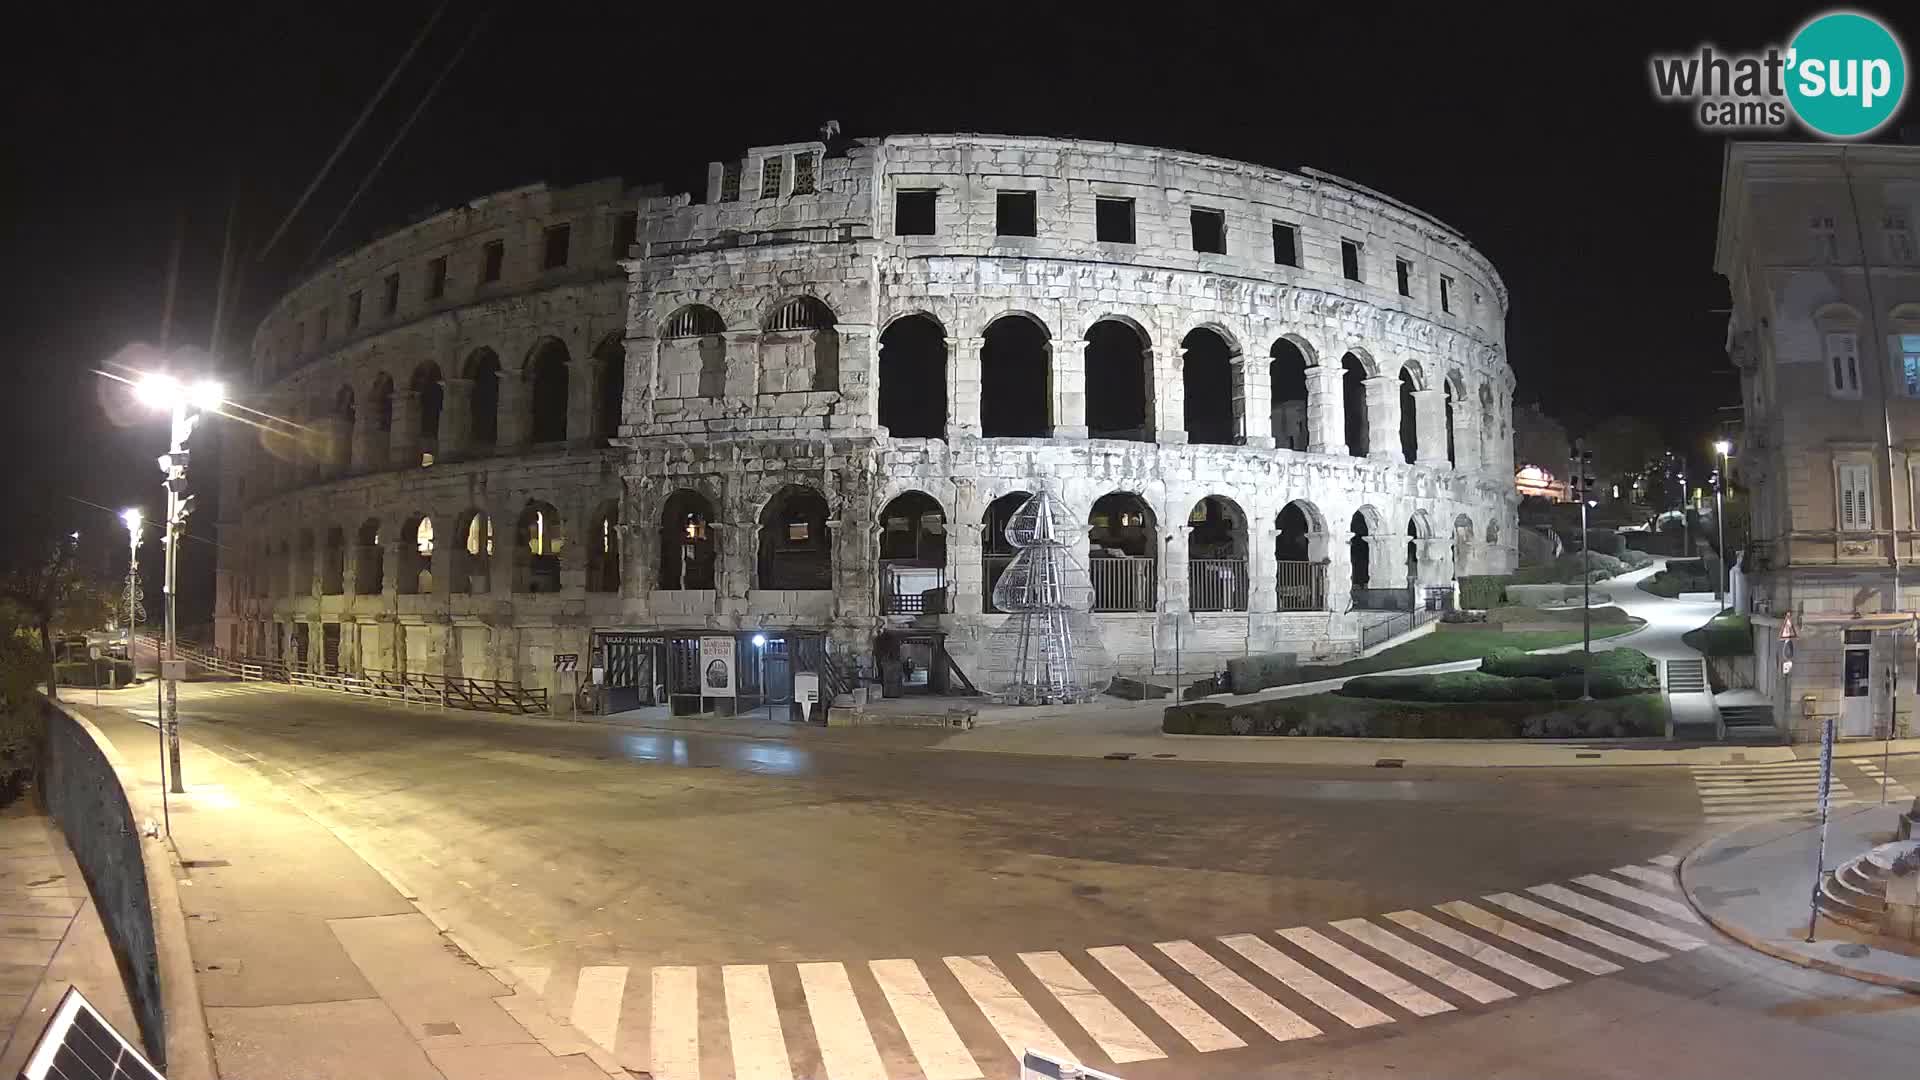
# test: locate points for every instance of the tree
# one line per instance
(39, 576)
(1623, 447)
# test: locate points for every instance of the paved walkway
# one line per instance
(1754, 884)
(50, 937)
(311, 964)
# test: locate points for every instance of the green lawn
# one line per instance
(1443, 646)
(1726, 634)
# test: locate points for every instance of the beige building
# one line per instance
(1818, 245)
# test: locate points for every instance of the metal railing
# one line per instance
(485, 695)
(1124, 584)
(1217, 584)
(904, 586)
(1401, 622)
(1400, 599)
(1300, 586)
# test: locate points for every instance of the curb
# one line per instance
(1763, 946)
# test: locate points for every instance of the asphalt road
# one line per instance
(572, 852)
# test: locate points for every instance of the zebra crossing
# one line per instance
(1736, 793)
(971, 1017)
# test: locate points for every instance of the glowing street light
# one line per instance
(1721, 447)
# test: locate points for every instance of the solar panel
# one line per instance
(79, 1044)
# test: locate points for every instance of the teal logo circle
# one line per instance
(1848, 75)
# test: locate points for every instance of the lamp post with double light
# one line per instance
(1721, 447)
(132, 517)
(1580, 486)
(185, 405)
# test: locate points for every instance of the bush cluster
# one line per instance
(1258, 671)
(1334, 715)
(1482, 591)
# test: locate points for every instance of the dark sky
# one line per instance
(1534, 134)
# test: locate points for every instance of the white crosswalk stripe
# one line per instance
(1665, 860)
(964, 1018)
(1735, 793)
(1877, 777)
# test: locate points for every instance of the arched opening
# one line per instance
(1287, 380)
(1207, 377)
(473, 559)
(538, 541)
(381, 401)
(1353, 400)
(1452, 456)
(1416, 532)
(341, 453)
(1216, 555)
(693, 353)
(611, 391)
(1409, 418)
(1493, 534)
(370, 566)
(913, 378)
(1360, 552)
(913, 555)
(1016, 361)
(995, 551)
(428, 391)
(796, 549)
(799, 348)
(1124, 547)
(603, 549)
(1489, 428)
(1300, 573)
(283, 580)
(1462, 545)
(1117, 386)
(304, 554)
(333, 563)
(547, 375)
(483, 425)
(416, 557)
(687, 547)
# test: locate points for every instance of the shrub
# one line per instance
(1247, 674)
(1459, 686)
(1456, 617)
(1338, 715)
(1199, 718)
(109, 673)
(1482, 591)
(1622, 663)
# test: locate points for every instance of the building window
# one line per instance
(1899, 236)
(390, 302)
(1113, 220)
(353, 311)
(803, 174)
(1016, 213)
(913, 213)
(492, 257)
(1286, 244)
(1826, 238)
(1403, 276)
(1446, 294)
(1209, 231)
(300, 336)
(730, 182)
(320, 321)
(1350, 259)
(770, 178)
(1910, 363)
(558, 239)
(626, 229)
(1856, 496)
(1843, 365)
(437, 278)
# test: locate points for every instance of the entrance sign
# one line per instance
(173, 670)
(806, 692)
(566, 661)
(717, 667)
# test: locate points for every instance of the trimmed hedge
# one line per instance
(1448, 686)
(1638, 715)
(1258, 671)
(1479, 592)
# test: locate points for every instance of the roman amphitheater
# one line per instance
(796, 410)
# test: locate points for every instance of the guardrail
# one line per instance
(412, 687)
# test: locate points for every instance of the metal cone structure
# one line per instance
(1048, 652)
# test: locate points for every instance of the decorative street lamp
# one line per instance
(1580, 486)
(1721, 447)
(185, 404)
(132, 517)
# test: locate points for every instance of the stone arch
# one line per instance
(1016, 366)
(1118, 380)
(693, 353)
(1493, 533)
(603, 548)
(416, 556)
(428, 397)
(1123, 540)
(1489, 428)
(545, 372)
(380, 415)
(370, 565)
(340, 453)
(1300, 556)
(471, 565)
(799, 347)
(483, 415)
(913, 552)
(1366, 537)
(539, 536)
(996, 552)
(1452, 392)
(1217, 552)
(333, 562)
(1354, 372)
(305, 554)
(796, 544)
(1207, 367)
(1288, 360)
(913, 378)
(610, 386)
(689, 544)
(1462, 545)
(1409, 415)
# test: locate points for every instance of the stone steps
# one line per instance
(1686, 676)
(1856, 892)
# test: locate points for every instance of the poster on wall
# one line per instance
(716, 667)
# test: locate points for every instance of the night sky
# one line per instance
(1539, 140)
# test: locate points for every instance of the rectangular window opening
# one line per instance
(1350, 259)
(730, 182)
(913, 212)
(437, 278)
(353, 311)
(558, 239)
(1843, 365)
(1446, 294)
(1900, 248)
(1016, 213)
(390, 303)
(626, 229)
(1286, 244)
(803, 182)
(770, 170)
(492, 258)
(1113, 220)
(1209, 230)
(1403, 276)
(1856, 496)
(1826, 238)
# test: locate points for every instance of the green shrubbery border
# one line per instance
(1631, 716)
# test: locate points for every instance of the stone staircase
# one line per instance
(1856, 894)
(1686, 676)
(1749, 722)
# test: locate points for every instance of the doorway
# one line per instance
(330, 648)
(1856, 701)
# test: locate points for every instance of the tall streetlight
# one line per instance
(185, 404)
(132, 516)
(1721, 447)
(1580, 486)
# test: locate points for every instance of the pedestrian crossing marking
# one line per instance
(930, 1035)
(1019, 1026)
(1665, 860)
(1306, 982)
(846, 1045)
(1625, 920)
(1189, 1020)
(1482, 990)
(1567, 924)
(1118, 1038)
(596, 1003)
(753, 1024)
(676, 1023)
(1662, 904)
(1393, 987)
(1527, 939)
(1659, 879)
(1250, 1001)
(1473, 948)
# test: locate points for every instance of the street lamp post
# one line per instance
(1580, 485)
(132, 517)
(184, 404)
(1721, 447)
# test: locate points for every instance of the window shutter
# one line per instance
(1856, 494)
(1843, 354)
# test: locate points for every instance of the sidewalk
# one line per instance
(313, 966)
(50, 937)
(1754, 884)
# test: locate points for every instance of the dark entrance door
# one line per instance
(633, 670)
(300, 642)
(330, 646)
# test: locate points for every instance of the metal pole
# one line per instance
(1820, 859)
(1586, 608)
(1176, 657)
(1893, 714)
(1720, 519)
(172, 710)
